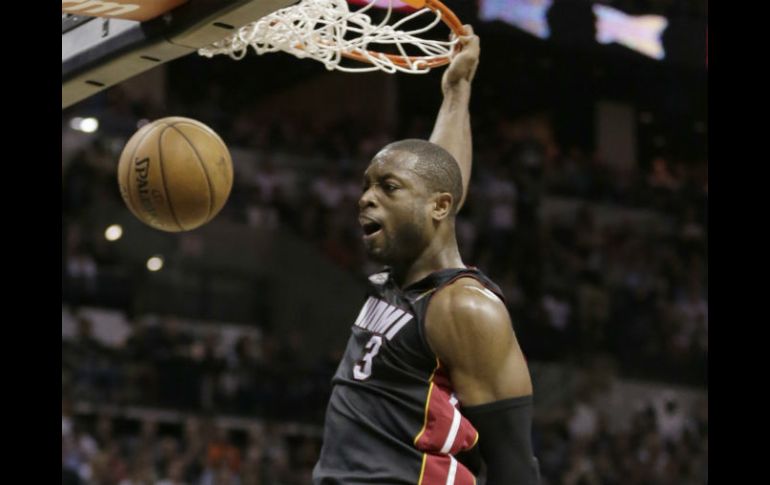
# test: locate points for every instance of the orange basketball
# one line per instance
(175, 174)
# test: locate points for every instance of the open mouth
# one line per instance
(371, 228)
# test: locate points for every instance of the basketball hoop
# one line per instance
(327, 31)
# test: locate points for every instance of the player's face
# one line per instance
(394, 209)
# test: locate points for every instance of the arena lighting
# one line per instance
(155, 263)
(528, 15)
(75, 123)
(642, 33)
(89, 125)
(113, 233)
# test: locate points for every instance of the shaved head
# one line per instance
(436, 166)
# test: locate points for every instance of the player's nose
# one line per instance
(367, 199)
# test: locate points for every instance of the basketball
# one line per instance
(175, 174)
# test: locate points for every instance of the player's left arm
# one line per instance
(452, 130)
(470, 331)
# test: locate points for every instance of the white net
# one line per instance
(327, 31)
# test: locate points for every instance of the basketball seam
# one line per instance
(214, 135)
(132, 165)
(205, 171)
(163, 178)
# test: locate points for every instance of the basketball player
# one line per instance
(433, 378)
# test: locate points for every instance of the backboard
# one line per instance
(99, 52)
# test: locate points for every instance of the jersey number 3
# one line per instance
(363, 369)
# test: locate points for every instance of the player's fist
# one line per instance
(465, 59)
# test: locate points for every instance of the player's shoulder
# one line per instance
(468, 300)
(467, 292)
(467, 320)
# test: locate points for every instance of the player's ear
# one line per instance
(441, 205)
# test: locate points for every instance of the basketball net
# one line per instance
(327, 31)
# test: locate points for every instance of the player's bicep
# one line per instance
(488, 373)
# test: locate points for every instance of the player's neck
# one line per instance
(437, 256)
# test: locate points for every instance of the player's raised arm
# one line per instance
(453, 124)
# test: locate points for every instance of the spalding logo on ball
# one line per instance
(175, 174)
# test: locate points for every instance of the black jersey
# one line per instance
(392, 417)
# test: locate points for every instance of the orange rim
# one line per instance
(447, 16)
